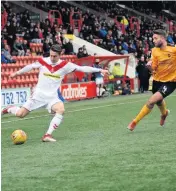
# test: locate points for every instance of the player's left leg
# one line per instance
(166, 89)
(164, 111)
(147, 108)
(98, 86)
(102, 90)
(58, 109)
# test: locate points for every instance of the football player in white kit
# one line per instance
(51, 73)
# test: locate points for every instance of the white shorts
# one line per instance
(34, 103)
(99, 81)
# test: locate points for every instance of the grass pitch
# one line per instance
(94, 150)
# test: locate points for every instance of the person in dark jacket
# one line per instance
(143, 75)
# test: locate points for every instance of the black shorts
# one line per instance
(165, 88)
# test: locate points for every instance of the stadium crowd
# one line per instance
(19, 31)
(21, 34)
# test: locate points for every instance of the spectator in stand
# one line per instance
(70, 30)
(124, 21)
(103, 32)
(131, 48)
(7, 54)
(46, 48)
(11, 31)
(36, 38)
(3, 59)
(18, 28)
(25, 21)
(31, 33)
(115, 50)
(41, 34)
(117, 71)
(68, 46)
(90, 39)
(84, 47)
(85, 53)
(26, 46)
(80, 53)
(66, 18)
(85, 31)
(150, 43)
(170, 40)
(26, 35)
(57, 35)
(45, 26)
(18, 48)
(125, 46)
(100, 44)
(28, 53)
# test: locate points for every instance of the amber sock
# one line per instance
(144, 111)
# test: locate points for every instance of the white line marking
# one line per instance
(77, 110)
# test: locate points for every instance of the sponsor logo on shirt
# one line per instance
(52, 75)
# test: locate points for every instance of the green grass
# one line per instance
(94, 150)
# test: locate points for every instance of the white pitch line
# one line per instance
(77, 110)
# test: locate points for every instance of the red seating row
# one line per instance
(26, 79)
(19, 85)
(36, 47)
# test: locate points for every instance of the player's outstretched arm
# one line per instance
(25, 69)
(88, 69)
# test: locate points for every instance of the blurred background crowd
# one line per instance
(119, 29)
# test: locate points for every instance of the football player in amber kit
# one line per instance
(163, 67)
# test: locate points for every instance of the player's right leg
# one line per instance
(30, 105)
(17, 111)
(164, 111)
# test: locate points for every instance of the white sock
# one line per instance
(98, 91)
(57, 119)
(13, 110)
(101, 91)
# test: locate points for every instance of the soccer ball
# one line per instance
(18, 137)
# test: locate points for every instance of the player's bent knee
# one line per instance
(60, 110)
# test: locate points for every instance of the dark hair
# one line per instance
(56, 48)
(160, 32)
